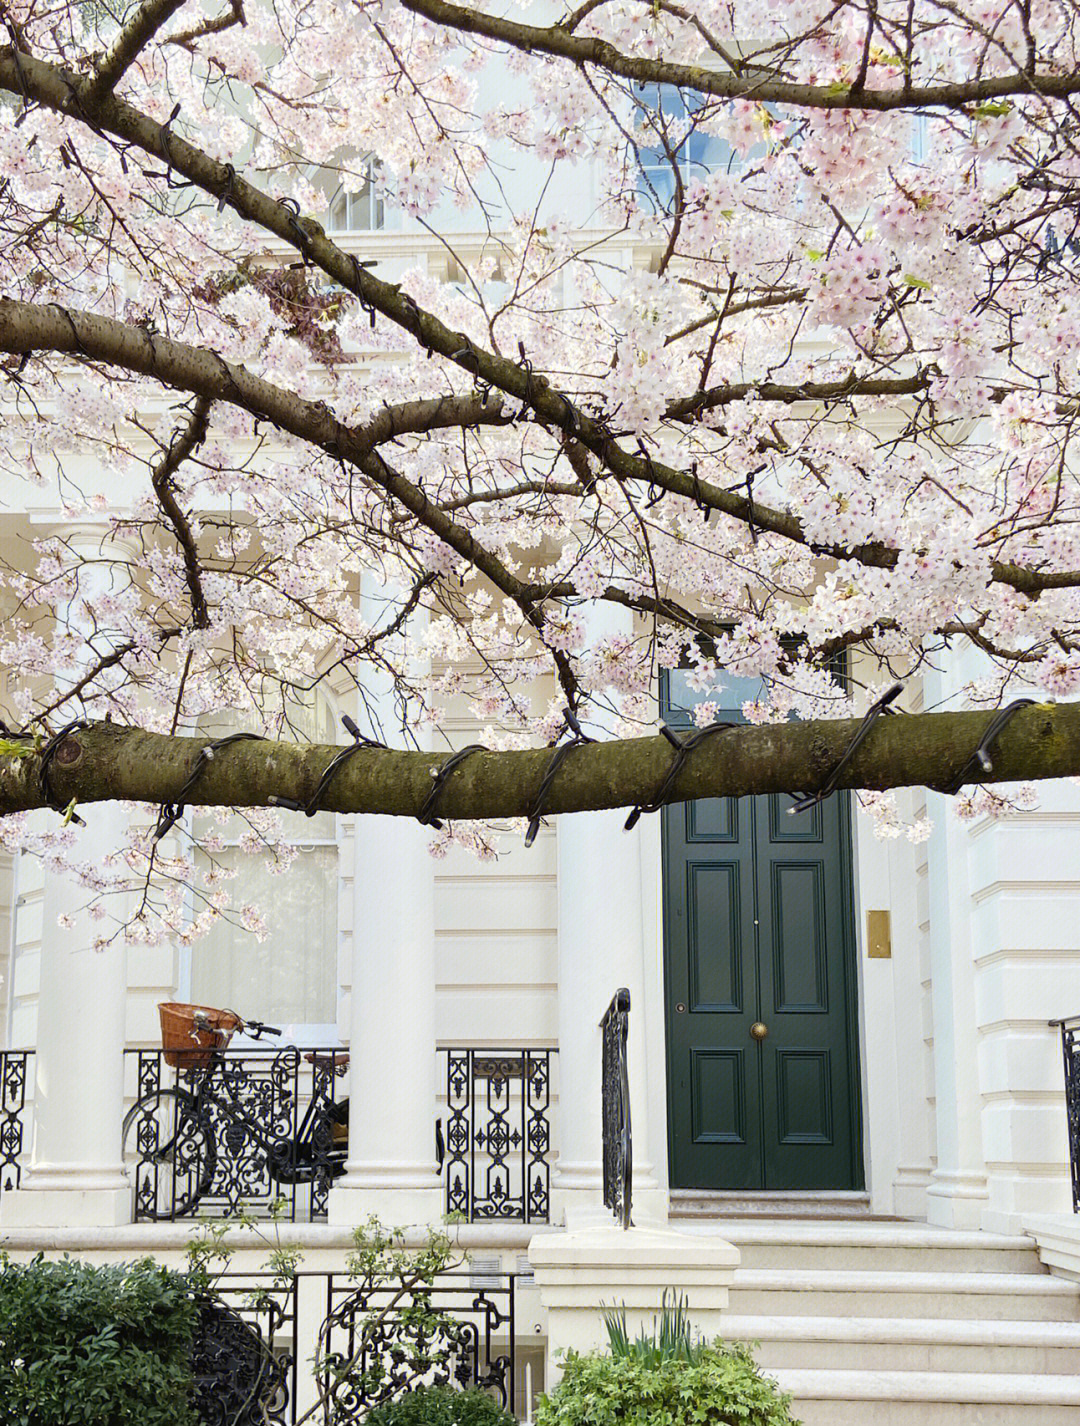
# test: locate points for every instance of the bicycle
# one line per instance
(177, 1128)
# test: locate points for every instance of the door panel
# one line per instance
(757, 929)
(709, 906)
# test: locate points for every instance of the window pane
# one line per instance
(290, 978)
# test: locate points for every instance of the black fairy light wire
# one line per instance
(683, 746)
(558, 757)
(873, 713)
(358, 267)
(329, 772)
(228, 191)
(426, 816)
(980, 758)
(48, 752)
(171, 812)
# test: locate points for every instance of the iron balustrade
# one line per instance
(1070, 1049)
(615, 1090)
(219, 1164)
(15, 1068)
(245, 1352)
(496, 1147)
(267, 1348)
(461, 1336)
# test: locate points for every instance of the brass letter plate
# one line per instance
(878, 935)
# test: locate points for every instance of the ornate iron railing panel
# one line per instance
(245, 1352)
(455, 1333)
(1070, 1048)
(615, 1087)
(497, 1142)
(238, 1145)
(15, 1069)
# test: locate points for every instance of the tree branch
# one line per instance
(161, 477)
(106, 762)
(760, 86)
(67, 93)
(134, 36)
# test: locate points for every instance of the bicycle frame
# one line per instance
(224, 1102)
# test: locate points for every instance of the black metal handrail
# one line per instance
(1070, 1050)
(615, 1087)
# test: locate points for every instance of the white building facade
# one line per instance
(823, 1025)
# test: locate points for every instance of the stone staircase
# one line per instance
(885, 1323)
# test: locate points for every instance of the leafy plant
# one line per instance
(398, 1341)
(440, 1406)
(82, 1345)
(670, 1340)
(719, 1386)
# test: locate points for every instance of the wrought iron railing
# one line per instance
(463, 1335)
(268, 1348)
(260, 1139)
(615, 1086)
(496, 1145)
(16, 1067)
(1070, 1048)
(246, 1351)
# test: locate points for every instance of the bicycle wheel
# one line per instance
(170, 1152)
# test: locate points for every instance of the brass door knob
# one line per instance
(758, 1030)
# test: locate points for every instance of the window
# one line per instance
(356, 209)
(667, 115)
(290, 978)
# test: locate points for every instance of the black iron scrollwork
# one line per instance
(243, 1356)
(14, 1068)
(497, 1145)
(615, 1085)
(450, 1334)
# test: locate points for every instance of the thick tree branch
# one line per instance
(30, 327)
(106, 762)
(763, 87)
(138, 30)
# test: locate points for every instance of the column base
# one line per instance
(956, 1199)
(577, 1199)
(579, 1272)
(399, 1197)
(29, 1207)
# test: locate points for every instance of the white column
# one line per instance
(76, 1174)
(391, 1171)
(601, 948)
(957, 1193)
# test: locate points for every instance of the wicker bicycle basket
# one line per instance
(188, 1045)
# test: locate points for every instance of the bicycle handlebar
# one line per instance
(256, 1029)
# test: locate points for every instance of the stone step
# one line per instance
(892, 1398)
(879, 1246)
(721, 1204)
(909, 1344)
(774, 1292)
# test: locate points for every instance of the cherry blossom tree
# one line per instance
(792, 389)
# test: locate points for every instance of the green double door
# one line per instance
(760, 996)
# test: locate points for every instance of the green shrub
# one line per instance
(440, 1406)
(95, 1346)
(718, 1386)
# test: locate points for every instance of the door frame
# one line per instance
(859, 1130)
